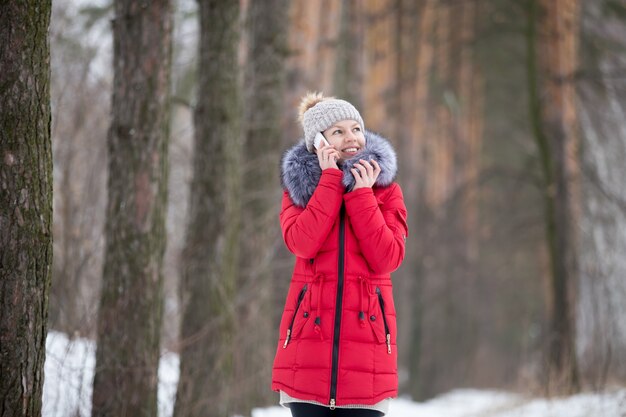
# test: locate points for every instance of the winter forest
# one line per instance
(140, 145)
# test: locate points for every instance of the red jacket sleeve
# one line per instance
(380, 230)
(305, 229)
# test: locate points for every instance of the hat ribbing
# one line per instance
(325, 113)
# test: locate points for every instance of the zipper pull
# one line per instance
(287, 338)
(388, 343)
(332, 403)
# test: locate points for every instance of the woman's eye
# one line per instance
(357, 129)
(337, 132)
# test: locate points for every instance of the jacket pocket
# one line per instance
(291, 330)
(387, 334)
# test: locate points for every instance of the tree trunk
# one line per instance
(25, 204)
(552, 61)
(322, 71)
(415, 169)
(264, 80)
(441, 145)
(380, 61)
(210, 256)
(469, 131)
(405, 279)
(349, 64)
(302, 61)
(129, 321)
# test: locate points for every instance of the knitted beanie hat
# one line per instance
(317, 113)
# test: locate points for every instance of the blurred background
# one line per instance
(508, 120)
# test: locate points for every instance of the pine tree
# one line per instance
(25, 203)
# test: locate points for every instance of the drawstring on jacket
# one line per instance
(318, 319)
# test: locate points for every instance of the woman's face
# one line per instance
(347, 137)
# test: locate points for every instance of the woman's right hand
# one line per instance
(328, 157)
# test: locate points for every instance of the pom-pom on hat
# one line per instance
(317, 113)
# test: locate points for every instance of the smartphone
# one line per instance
(320, 141)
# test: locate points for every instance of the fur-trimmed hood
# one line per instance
(300, 170)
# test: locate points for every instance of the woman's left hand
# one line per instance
(365, 173)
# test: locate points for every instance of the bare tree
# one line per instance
(130, 314)
(25, 203)
(210, 256)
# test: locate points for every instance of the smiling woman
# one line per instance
(344, 218)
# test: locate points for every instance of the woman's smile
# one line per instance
(351, 151)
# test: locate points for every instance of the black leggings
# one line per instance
(313, 410)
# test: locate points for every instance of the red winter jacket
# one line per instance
(337, 342)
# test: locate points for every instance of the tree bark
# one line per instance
(25, 203)
(130, 315)
(470, 130)
(210, 257)
(264, 85)
(552, 61)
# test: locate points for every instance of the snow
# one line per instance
(69, 370)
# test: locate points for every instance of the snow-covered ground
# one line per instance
(70, 365)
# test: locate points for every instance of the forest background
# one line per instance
(508, 119)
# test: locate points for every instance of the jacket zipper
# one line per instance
(293, 318)
(382, 309)
(338, 306)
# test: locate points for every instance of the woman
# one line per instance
(345, 220)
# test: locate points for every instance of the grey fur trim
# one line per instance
(300, 170)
